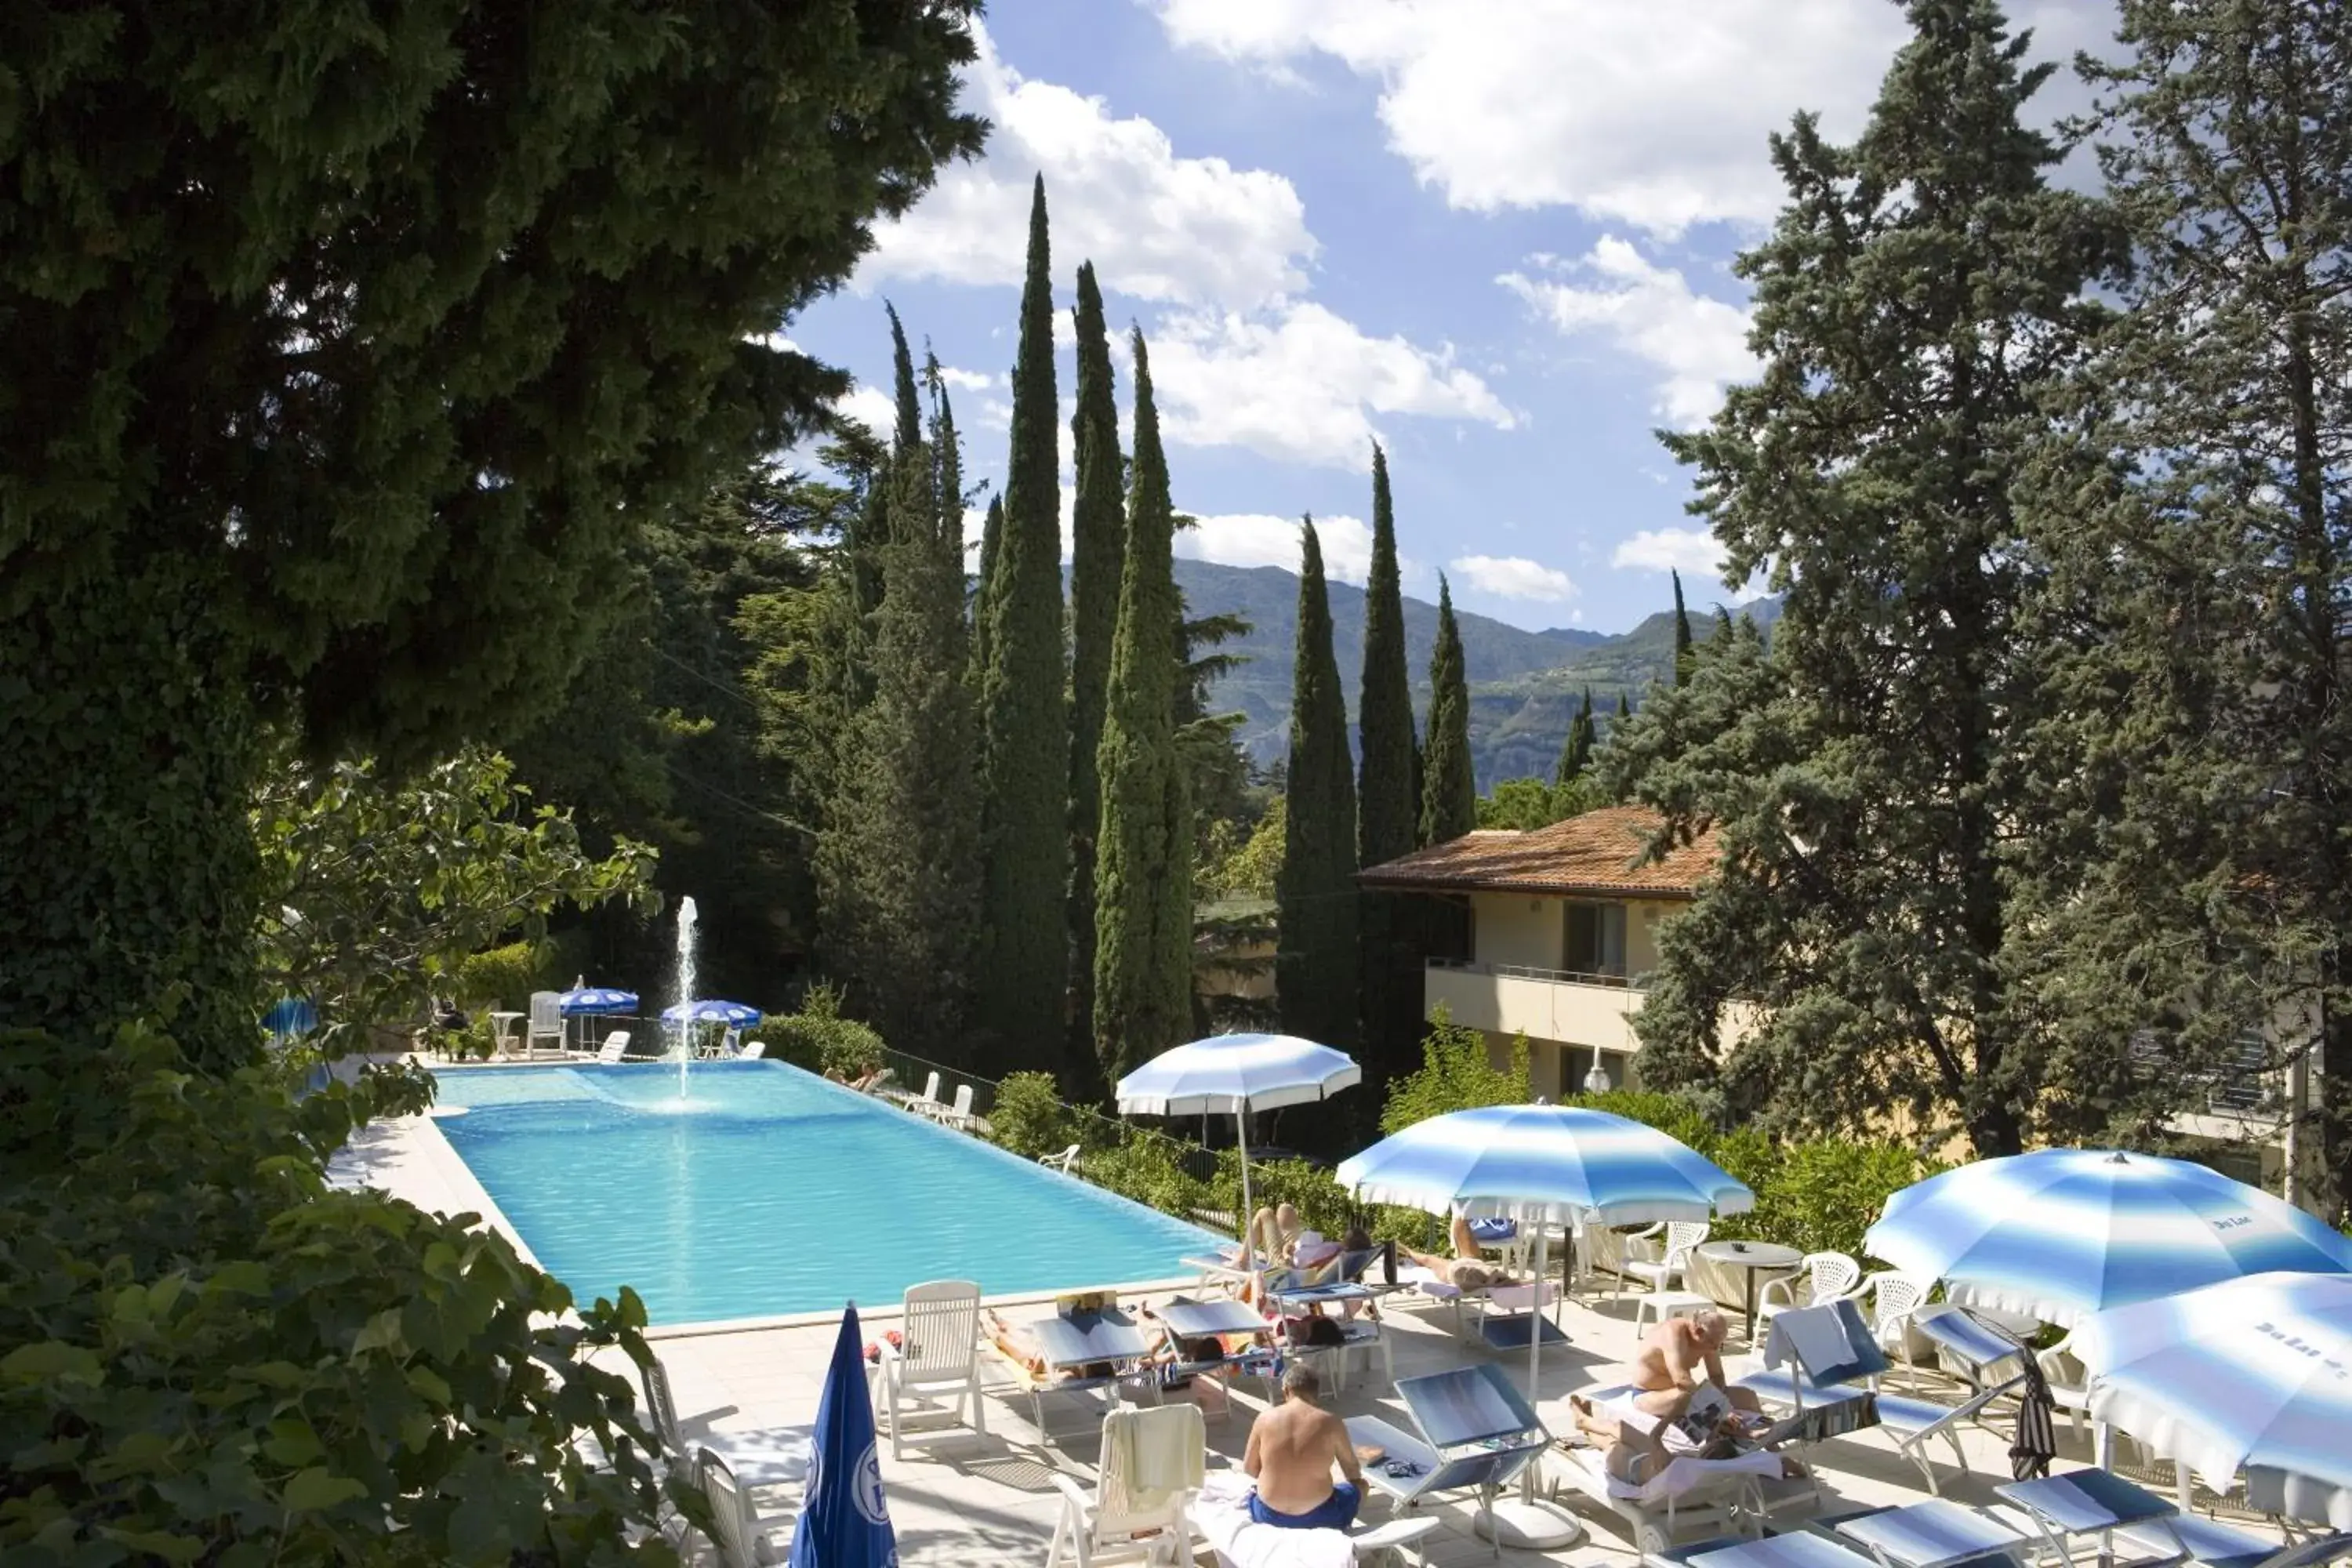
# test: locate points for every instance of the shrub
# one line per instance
(1456, 1074)
(1150, 1170)
(1827, 1193)
(1670, 1114)
(508, 975)
(824, 1042)
(1029, 1117)
(215, 1358)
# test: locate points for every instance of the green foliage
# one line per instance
(1827, 1192)
(1099, 527)
(1449, 799)
(1023, 969)
(508, 975)
(380, 890)
(822, 1042)
(1682, 636)
(1318, 968)
(1670, 1114)
(398, 333)
(215, 1358)
(1456, 1074)
(1244, 867)
(1576, 755)
(1525, 804)
(898, 865)
(1388, 806)
(1923, 290)
(1143, 884)
(1028, 1116)
(1149, 1169)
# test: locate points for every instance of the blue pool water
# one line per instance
(773, 1191)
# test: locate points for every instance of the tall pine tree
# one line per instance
(1316, 963)
(1387, 791)
(991, 531)
(1922, 290)
(1682, 636)
(1449, 799)
(2197, 510)
(1143, 875)
(1024, 709)
(898, 864)
(1099, 526)
(1576, 756)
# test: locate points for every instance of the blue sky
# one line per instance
(1496, 235)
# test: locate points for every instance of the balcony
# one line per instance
(1586, 1010)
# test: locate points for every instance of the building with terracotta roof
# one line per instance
(1563, 934)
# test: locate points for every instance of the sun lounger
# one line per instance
(1937, 1534)
(1221, 1514)
(2137, 1526)
(1478, 1433)
(1798, 1549)
(1509, 1316)
(1105, 1337)
(1187, 1322)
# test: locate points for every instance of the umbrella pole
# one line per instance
(1535, 1339)
(1241, 1124)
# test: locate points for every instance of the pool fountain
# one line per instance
(684, 1046)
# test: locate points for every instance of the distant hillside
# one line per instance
(1524, 685)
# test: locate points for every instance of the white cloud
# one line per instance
(1698, 345)
(1609, 106)
(1255, 539)
(872, 407)
(1302, 385)
(1190, 231)
(1690, 551)
(1514, 577)
(966, 380)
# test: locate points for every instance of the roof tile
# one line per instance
(1599, 852)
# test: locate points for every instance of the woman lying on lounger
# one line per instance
(1701, 1423)
(1465, 1269)
(1020, 1347)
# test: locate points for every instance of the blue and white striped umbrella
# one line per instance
(734, 1014)
(2251, 1371)
(1234, 1074)
(2062, 1232)
(1227, 1073)
(595, 1001)
(1560, 1164)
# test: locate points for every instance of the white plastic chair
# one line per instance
(1820, 1276)
(1682, 1235)
(738, 1536)
(752, 1052)
(937, 1354)
(615, 1047)
(2069, 1381)
(1061, 1162)
(959, 1115)
(1894, 1299)
(923, 1104)
(1102, 1526)
(546, 1023)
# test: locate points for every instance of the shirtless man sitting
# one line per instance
(1678, 1356)
(1465, 1269)
(1292, 1448)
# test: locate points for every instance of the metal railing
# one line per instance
(1552, 977)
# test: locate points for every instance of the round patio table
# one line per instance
(1749, 1257)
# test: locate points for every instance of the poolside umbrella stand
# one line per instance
(1233, 1075)
(1542, 1164)
(679, 1016)
(2253, 1372)
(2064, 1232)
(586, 1001)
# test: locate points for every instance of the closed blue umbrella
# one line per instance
(291, 1016)
(1233, 1075)
(2064, 1232)
(844, 1519)
(735, 1015)
(2249, 1372)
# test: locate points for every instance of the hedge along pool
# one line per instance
(769, 1190)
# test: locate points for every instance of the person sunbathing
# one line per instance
(1679, 1356)
(1466, 1270)
(1019, 1346)
(1703, 1424)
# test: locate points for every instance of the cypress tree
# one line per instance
(1316, 962)
(1918, 302)
(1449, 804)
(1682, 636)
(1386, 805)
(1024, 973)
(1576, 756)
(1097, 527)
(910, 432)
(1625, 706)
(898, 864)
(991, 531)
(1143, 879)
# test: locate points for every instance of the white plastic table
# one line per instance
(1750, 1257)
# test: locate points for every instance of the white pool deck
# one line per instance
(965, 1499)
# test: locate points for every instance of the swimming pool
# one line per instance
(773, 1191)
